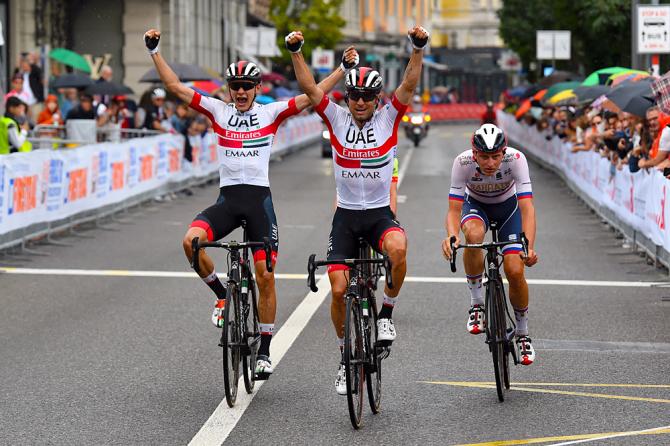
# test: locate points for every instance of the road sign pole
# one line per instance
(655, 65)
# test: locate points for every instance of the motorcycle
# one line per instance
(416, 126)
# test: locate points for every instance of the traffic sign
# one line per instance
(552, 45)
(653, 29)
(323, 60)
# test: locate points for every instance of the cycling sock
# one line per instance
(215, 284)
(387, 307)
(521, 316)
(476, 289)
(266, 337)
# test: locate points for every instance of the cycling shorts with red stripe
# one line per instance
(242, 202)
(350, 225)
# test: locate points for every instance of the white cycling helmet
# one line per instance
(489, 139)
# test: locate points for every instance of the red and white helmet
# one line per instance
(243, 71)
(363, 78)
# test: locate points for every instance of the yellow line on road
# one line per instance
(491, 383)
(566, 438)
(557, 392)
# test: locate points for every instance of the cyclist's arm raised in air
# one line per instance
(350, 56)
(169, 78)
(419, 38)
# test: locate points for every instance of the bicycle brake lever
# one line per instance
(268, 254)
(311, 281)
(195, 259)
(452, 262)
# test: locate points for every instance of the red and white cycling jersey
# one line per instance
(244, 139)
(363, 157)
(511, 178)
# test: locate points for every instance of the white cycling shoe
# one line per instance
(341, 380)
(386, 330)
(217, 314)
(476, 319)
(526, 350)
(263, 367)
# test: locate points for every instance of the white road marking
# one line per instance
(302, 276)
(604, 437)
(219, 425)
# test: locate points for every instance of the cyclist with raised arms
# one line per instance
(491, 182)
(245, 131)
(364, 140)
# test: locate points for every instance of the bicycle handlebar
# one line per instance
(313, 264)
(233, 245)
(485, 246)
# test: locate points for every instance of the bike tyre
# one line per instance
(229, 337)
(354, 361)
(496, 337)
(374, 376)
(253, 329)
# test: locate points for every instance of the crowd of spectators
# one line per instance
(626, 140)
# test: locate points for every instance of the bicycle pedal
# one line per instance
(262, 376)
(383, 344)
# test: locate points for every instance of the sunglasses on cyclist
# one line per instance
(367, 96)
(236, 85)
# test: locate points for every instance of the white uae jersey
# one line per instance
(511, 178)
(244, 138)
(363, 157)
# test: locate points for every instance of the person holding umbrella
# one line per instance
(245, 131)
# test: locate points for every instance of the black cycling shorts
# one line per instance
(237, 203)
(349, 225)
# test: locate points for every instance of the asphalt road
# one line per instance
(99, 357)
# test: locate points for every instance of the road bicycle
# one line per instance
(500, 326)
(363, 353)
(240, 336)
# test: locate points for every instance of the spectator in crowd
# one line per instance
(154, 112)
(51, 114)
(169, 112)
(179, 119)
(69, 99)
(14, 127)
(660, 148)
(86, 110)
(106, 74)
(33, 85)
(18, 90)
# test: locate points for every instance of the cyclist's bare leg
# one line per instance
(267, 301)
(338, 285)
(205, 261)
(518, 290)
(395, 246)
(473, 259)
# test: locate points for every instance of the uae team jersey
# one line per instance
(363, 157)
(511, 178)
(244, 138)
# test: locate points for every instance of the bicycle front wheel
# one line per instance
(496, 333)
(374, 367)
(230, 341)
(354, 361)
(253, 337)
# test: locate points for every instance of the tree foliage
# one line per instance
(600, 30)
(319, 21)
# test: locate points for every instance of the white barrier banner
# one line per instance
(639, 199)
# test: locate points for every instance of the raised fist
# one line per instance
(294, 41)
(419, 37)
(151, 39)
(349, 59)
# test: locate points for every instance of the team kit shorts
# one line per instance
(349, 225)
(506, 215)
(242, 202)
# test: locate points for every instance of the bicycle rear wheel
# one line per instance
(497, 335)
(252, 337)
(354, 361)
(373, 370)
(230, 340)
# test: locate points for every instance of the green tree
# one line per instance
(319, 21)
(600, 30)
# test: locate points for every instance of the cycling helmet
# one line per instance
(489, 139)
(243, 71)
(363, 78)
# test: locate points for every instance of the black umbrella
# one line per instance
(531, 91)
(108, 89)
(72, 80)
(591, 93)
(184, 72)
(633, 98)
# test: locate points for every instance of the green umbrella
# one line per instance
(595, 78)
(557, 88)
(70, 58)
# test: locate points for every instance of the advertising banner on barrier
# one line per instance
(48, 185)
(639, 199)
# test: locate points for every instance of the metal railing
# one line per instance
(46, 136)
